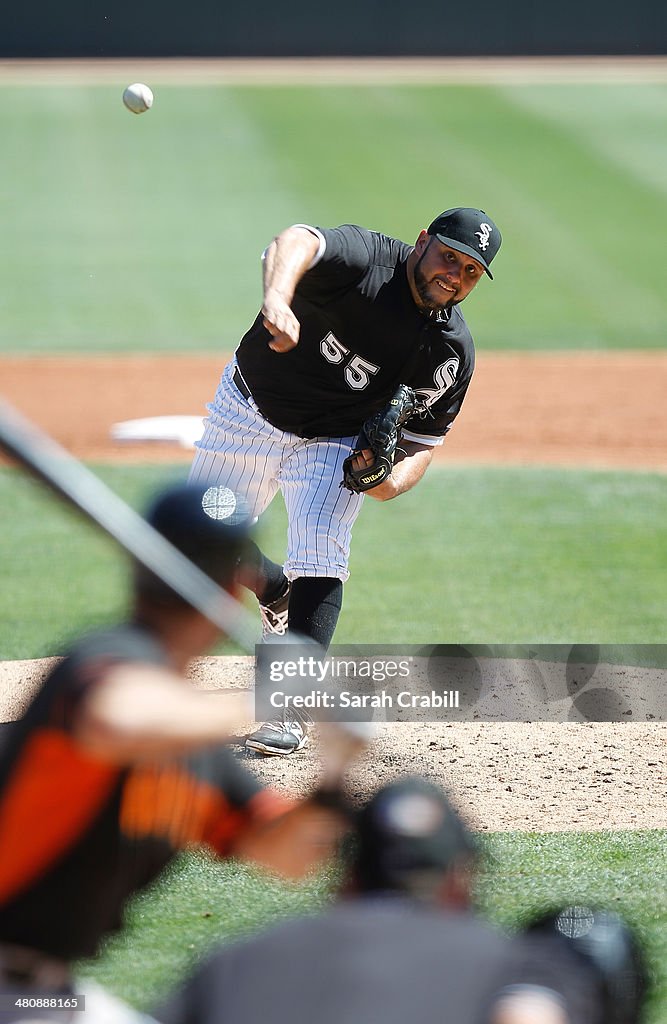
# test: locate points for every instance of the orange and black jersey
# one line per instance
(79, 835)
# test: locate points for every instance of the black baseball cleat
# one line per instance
(274, 615)
(276, 739)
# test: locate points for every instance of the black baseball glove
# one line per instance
(380, 433)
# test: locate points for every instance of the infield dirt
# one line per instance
(595, 409)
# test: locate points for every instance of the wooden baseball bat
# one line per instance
(46, 460)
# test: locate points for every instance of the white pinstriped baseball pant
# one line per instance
(241, 450)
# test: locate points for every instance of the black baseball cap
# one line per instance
(210, 525)
(469, 231)
(408, 828)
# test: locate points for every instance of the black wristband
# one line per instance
(332, 798)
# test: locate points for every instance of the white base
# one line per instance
(183, 430)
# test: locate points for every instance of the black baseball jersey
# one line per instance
(376, 960)
(79, 835)
(362, 334)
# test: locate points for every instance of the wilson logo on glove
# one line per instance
(380, 434)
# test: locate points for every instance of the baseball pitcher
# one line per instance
(352, 373)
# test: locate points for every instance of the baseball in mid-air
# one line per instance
(138, 98)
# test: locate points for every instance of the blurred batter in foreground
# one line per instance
(119, 763)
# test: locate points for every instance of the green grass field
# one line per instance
(200, 903)
(125, 233)
(499, 556)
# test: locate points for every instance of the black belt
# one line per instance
(238, 381)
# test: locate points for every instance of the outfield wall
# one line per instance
(81, 28)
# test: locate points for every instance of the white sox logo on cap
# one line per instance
(484, 234)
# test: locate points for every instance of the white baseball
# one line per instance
(138, 98)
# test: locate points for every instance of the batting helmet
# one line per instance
(209, 525)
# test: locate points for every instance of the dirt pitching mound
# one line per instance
(545, 776)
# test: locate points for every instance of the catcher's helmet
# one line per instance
(608, 946)
(208, 524)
